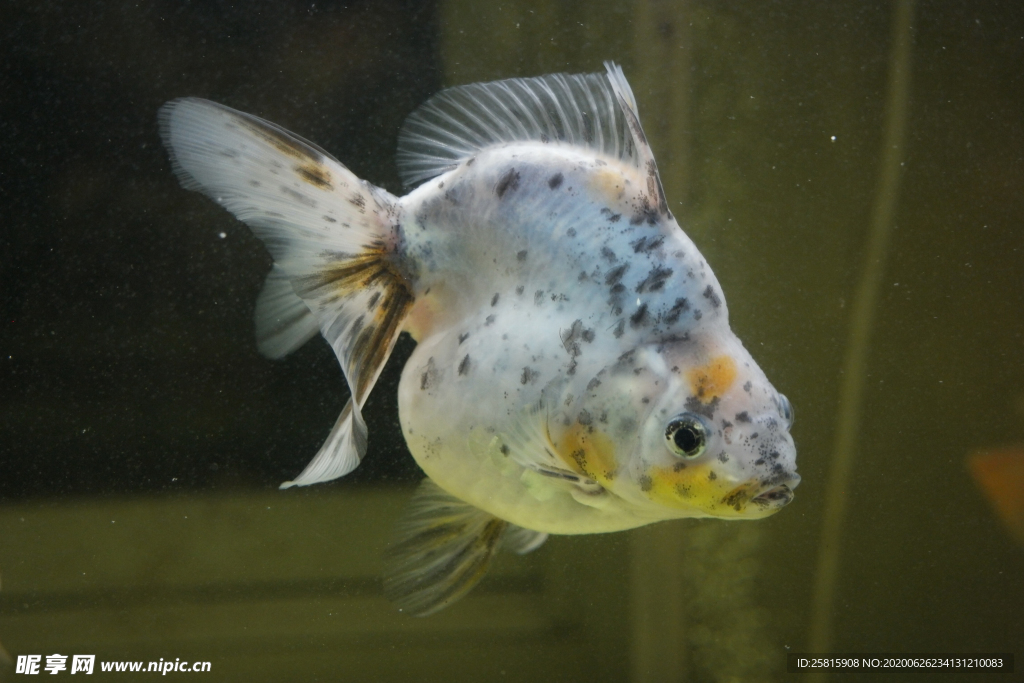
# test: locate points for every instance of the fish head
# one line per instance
(711, 435)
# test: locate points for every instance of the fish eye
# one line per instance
(686, 435)
(786, 409)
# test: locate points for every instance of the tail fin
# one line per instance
(332, 237)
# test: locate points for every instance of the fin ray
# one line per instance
(444, 548)
(529, 445)
(331, 236)
(283, 320)
(576, 109)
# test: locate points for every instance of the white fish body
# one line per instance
(575, 371)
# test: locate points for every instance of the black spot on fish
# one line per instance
(588, 335)
(712, 475)
(509, 181)
(555, 180)
(742, 417)
(519, 289)
(639, 318)
(571, 232)
(645, 213)
(582, 276)
(618, 289)
(357, 326)
(679, 467)
(753, 436)
(646, 483)
(646, 244)
(746, 387)
(697, 315)
(504, 449)
(620, 328)
(593, 384)
(584, 418)
(711, 295)
(612, 217)
(488, 320)
(723, 457)
(374, 298)
(695, 405)
(463, 337)
(330, 220)
(759, 461)
(678, 308)
(608, 254)
(300, 197)
(464, 365)
(521, 256)
(494, 300)
(469, 161)
(538, 297)
(357, 200)
(529, 376)
(726, 424)
(615, 274)
(655, 280)
(429, 376)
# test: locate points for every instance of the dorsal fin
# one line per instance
(595, 111)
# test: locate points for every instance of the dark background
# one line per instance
(128, 357)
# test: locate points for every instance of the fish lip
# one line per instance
(776, 497)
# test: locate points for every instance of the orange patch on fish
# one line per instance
(587, 452)
(609, 183)
(682, 487)
(316, 175)
(1000, 475)
(710, 381)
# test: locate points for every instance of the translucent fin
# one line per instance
(644, 155)
(283, 320)
(331, 236)
(580, 110)
(444, 548)
(522, 541)
(529, 444)
(340, 454)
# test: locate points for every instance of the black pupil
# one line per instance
(687, 439)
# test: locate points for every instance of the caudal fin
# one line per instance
(332, 237)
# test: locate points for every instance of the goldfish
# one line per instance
(999, 473)
(574, 373)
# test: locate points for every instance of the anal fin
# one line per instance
(444, 548)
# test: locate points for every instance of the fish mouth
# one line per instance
(774, 498)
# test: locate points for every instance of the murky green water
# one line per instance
(143, 437)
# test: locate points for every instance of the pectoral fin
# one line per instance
(529, 444)
(444, 548)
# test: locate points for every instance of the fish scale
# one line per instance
(574, 370)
